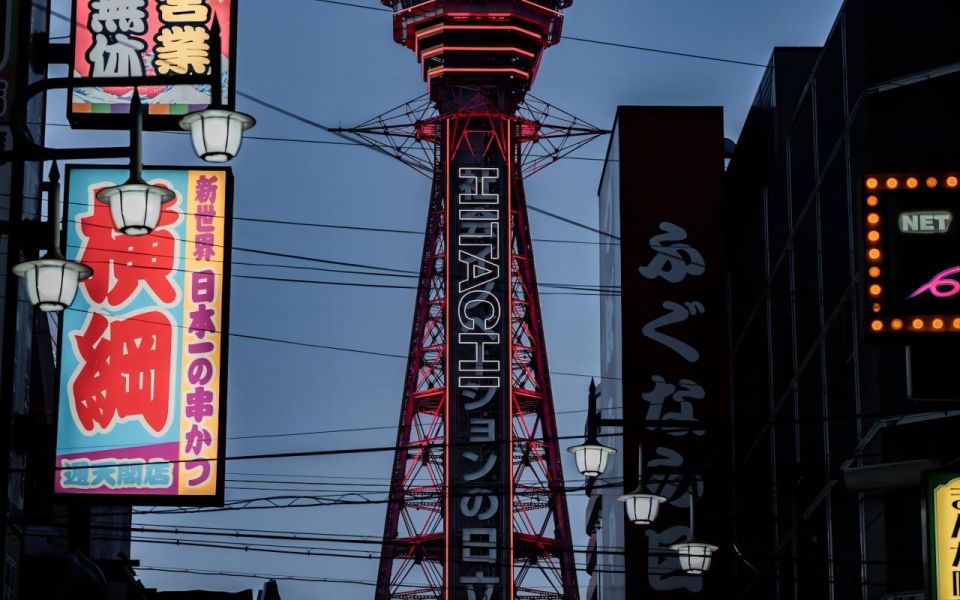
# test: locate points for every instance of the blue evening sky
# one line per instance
(339, 65)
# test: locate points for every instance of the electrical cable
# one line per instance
(592, 41)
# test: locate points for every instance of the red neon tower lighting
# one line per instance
(477, 508)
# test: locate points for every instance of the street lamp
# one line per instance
(216, 131)
(642, 508)
(591, 455)
(135, 205)
(695, 557)
(52, 281)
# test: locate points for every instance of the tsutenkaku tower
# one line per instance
(477, 508)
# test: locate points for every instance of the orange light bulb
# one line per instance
(872, 183)
(893, 183)
(876, 325)
(917, 323)
(912, 183)
(872, 200)
(932, 182)
(896, 324)
(937, 324)
(874, 271)
(874, 254)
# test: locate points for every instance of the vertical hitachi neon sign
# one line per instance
(479, 508)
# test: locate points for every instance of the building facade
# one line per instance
(835, 424)
(50, 549)
(838, 413)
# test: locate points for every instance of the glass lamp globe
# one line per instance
(591, 457)
(52, 281)
(135, 206)
(695, 557)
(642, 509)
(217, 133)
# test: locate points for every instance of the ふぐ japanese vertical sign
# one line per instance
(143, 348)
(135, 38)
(674, 344)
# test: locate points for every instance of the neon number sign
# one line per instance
(941, 286)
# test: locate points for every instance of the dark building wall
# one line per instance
(810, 391)
(38, 531)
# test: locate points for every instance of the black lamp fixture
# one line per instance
(135, 205)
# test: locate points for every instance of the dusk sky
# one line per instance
(338, 65)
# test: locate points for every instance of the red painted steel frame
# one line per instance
(414, 556)
(474, 100)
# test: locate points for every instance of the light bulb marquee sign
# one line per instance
(134, 38)
(912, 253)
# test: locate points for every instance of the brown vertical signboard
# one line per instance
(675, 344)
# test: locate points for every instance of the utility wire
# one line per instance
(593, 41)
(346, 227)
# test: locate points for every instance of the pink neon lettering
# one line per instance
(941, 285)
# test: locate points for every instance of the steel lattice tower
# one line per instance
(477, 508)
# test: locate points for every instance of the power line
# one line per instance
(666, 52)
(599, 42)
(347, 227)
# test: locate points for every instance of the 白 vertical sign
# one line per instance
(943, 535)
(479, 471)
(911, 250)
(143, 348)
(133, 38)
(675, 348)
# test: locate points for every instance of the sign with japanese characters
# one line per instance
(943, 535)
(912, 254)
(143, 348)
(478, 522)
(133, 38)
(674, 340)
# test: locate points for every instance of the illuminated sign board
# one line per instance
(133, 38)
(479, 516)
(912, 253)
(143, 349)
(943, 535)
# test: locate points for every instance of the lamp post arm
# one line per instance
(26, 149)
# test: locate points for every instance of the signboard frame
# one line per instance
(126, 499)
(151, 121)
(884, 266)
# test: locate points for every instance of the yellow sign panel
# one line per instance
(945, 545)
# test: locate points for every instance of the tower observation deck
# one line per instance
(494, 46)
(477, 507)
